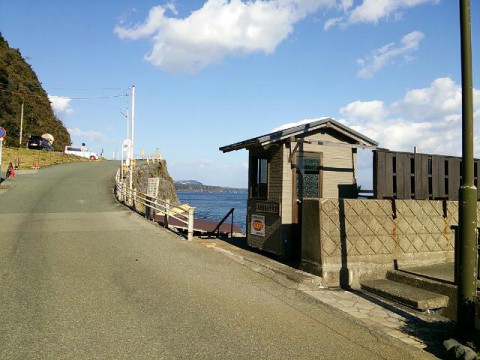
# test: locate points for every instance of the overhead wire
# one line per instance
(26, 93)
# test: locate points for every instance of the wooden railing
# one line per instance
(149, 205)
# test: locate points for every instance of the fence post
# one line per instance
(165, 216)
(191, 216)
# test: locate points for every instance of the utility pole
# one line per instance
(128, 125)
(132, 132)
(467, 209)
(127, 158)
(21, 126)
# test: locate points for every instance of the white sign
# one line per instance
(126, 145)
(257, 226)
(152, 187)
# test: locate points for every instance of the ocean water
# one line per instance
(214, 206)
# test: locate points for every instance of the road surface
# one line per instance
(82, 277)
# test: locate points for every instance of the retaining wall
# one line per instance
(347, 240)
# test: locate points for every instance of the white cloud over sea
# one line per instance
(220, 28)
(372, 11)
(388, 54)
(429, 118)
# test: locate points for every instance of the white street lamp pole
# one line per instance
(132, 132)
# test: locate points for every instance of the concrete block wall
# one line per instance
(347, 240)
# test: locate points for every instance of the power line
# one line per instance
(23, 93)
(94, 97)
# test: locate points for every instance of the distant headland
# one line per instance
(197, 186)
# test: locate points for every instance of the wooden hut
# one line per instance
(312, 160)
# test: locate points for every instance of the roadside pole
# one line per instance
(467, 221)
(1, 148)
(132, 131)
(3, 133)
(21, 126)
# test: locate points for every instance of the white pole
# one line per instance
(128, 123)
(191, 217)
(21, 125)
(1, 146)
(132, 136)
(133, 119)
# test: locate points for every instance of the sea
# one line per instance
(215, 205)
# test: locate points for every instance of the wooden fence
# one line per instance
(402, 175)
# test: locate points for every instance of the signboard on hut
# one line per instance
(258, 225)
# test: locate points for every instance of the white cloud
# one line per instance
(429, 118)
(220, 28)
(292, 124)
(387, 54)
(439, 101)
(89, 134)
(372, 11)
(359, 110)
(61, 104)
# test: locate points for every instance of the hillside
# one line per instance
(166, 189)
(19, 82)
(197, 186)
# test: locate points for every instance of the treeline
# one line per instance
(19, 83)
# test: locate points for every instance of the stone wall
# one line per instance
(347, 240)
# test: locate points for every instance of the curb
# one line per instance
(283, 274)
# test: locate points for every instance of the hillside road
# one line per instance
(83, 277)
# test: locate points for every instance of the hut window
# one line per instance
(308, 181)
(259, 178)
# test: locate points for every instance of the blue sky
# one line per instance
(211, 73)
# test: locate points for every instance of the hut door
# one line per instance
(307, 181)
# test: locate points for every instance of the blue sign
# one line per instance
(3, 132)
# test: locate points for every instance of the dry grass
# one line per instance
(27, 158)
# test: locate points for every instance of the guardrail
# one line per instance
(151, 206)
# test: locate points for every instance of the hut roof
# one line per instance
(296, 133)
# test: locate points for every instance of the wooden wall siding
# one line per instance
(287, 189)
(334, 157)
(421, 176)
(418, 176)
(275, 174)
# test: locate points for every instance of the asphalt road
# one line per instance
(82, 277)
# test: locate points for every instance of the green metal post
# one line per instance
(467, 222)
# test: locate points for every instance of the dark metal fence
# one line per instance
(402, 175)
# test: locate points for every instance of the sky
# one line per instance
(211, 73)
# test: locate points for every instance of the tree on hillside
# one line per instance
(19, 84)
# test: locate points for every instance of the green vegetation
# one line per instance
(26, 159)
(19, 83)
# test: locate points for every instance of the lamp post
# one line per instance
(132, 132)
(467, 204)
